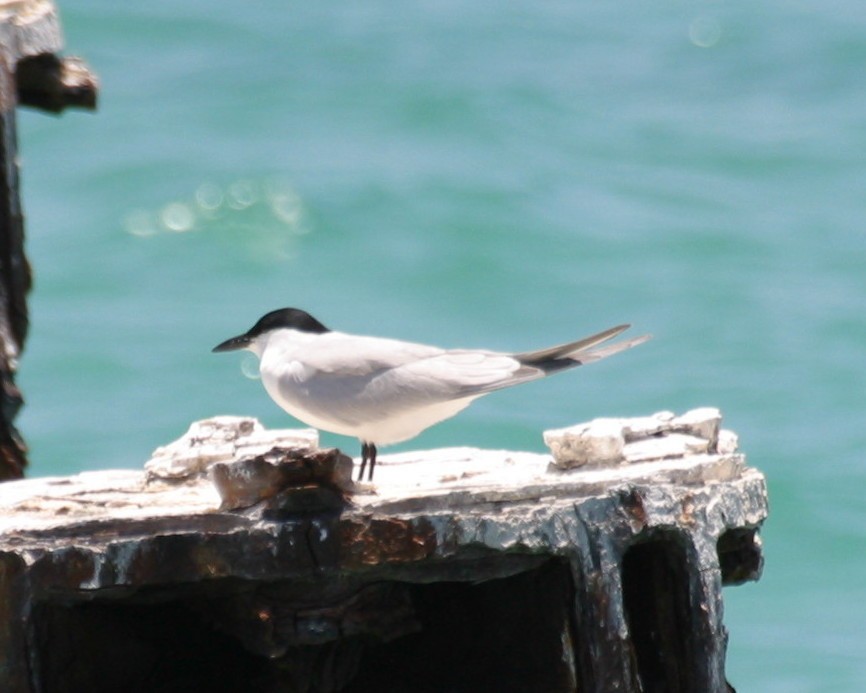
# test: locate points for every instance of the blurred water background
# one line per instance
(479, 174)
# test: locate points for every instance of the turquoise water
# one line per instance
(506, 175)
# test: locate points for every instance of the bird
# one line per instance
(384, 391)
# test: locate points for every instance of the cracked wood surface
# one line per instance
(422, 502)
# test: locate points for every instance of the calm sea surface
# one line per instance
(505, 175)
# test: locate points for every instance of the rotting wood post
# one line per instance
(246, 559)
(31, 74)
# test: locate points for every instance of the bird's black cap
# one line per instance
(290, 318)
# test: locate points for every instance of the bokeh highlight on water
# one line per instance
(482, 175)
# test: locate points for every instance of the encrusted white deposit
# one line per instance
(604, 442)
(587, 458)
(222, 439)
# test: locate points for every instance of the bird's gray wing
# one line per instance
(350, 356)
(460, 373)
(468, 373)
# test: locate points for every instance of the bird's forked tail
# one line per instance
(580, 352)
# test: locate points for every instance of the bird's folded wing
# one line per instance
(458, 373)
(361, 356)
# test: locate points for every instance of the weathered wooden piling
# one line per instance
(245, 559)
(31, 74)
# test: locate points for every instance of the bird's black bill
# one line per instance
(233, 344)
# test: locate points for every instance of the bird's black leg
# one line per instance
(365, 453)
(372, 452)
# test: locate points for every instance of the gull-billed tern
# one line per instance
(385, 391)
